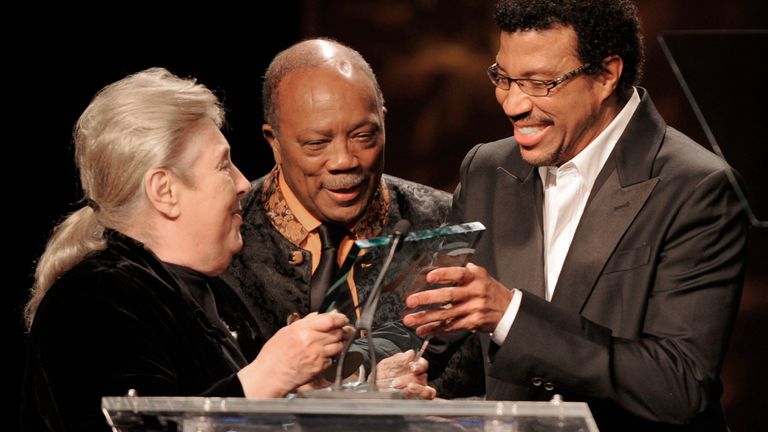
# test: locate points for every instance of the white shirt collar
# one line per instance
(590, 161)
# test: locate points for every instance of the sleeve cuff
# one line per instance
(502, 328)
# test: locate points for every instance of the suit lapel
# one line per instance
(519, 198)
(620, 191)
(601, 227)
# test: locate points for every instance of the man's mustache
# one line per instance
(344, 181)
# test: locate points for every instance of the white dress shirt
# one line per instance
(566, 190)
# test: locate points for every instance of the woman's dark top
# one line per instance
(122, 320)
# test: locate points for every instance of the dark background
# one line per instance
(430, 57)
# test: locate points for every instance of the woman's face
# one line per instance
(210, 215)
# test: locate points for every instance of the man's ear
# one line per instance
(609, 75)
(163, 192)
(271, 136)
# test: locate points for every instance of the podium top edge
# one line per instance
(368, 407)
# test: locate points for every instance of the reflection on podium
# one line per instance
(198, 414)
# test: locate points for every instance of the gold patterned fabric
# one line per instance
(371, 224)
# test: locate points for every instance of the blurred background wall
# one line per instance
(430, 57)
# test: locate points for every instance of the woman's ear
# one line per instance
(163, 192)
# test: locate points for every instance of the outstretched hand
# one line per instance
(475, 302)
(295, 355)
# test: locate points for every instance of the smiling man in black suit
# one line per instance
(612, 267)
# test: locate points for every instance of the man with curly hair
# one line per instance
(613, 263)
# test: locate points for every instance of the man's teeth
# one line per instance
(529, 130)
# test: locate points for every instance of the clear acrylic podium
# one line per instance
(199, 414)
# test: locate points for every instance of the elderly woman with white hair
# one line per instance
(126, 294)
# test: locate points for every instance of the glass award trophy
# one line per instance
(385, 271)
(419, 252)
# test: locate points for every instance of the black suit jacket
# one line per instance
(644, 306)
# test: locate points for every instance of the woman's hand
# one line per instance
(295, 355)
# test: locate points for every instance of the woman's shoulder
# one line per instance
(101, 284)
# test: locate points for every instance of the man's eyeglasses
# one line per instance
(531, 87)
